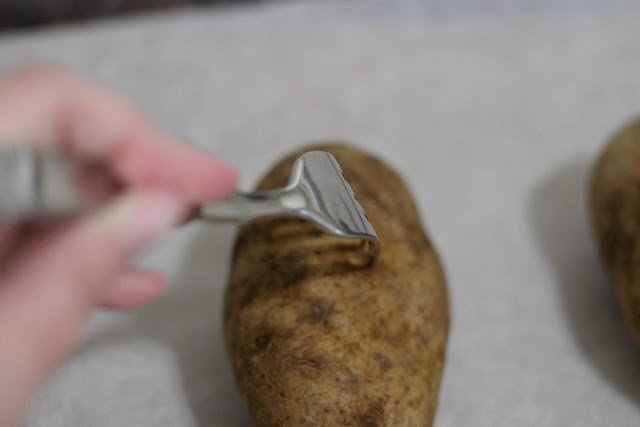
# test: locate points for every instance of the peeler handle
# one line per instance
(36, 184)
(244, 207)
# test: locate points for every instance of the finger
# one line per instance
(133, 289)
(8, 236)
(19, 236)
(37, 106)
(14, 237)
(187, 171)
(51, 286)
(95, 182)
(53, 109)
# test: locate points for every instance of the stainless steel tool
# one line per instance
(36, 184)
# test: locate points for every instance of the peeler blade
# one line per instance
(331, 202)
(317, 191)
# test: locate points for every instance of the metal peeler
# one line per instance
(38, 184)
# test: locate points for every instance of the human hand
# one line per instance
(51, 276)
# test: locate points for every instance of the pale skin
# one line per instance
(52, 276)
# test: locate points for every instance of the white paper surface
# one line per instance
(493, 120)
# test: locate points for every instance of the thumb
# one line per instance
(47, 293)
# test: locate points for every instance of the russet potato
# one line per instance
(314, 338)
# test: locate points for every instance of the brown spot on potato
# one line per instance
(373, 416)
(262, 341)
(352, 348)
(384, 363)
(423, 338)
(318, 310)
(316, 232)
(400, 337)
(375, 332)
(295, 273)
(352, 384)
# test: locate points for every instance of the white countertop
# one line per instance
(493, 119)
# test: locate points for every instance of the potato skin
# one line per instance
(615, 215)
(315, 341)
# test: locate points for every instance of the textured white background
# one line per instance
(493, 118)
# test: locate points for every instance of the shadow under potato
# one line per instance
(560, 220)
(189, 321)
